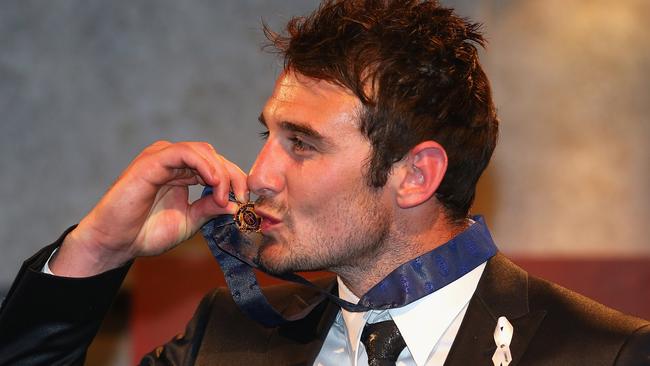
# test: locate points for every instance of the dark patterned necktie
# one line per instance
(383, 343)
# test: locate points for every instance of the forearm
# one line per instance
(52, 320)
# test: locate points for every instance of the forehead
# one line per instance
(322, 105)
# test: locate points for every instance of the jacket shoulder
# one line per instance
(571, 309)
(584, 329)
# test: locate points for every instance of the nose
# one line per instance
(266, 177)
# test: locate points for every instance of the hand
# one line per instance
(146, 211)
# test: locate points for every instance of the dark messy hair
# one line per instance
(414, 66)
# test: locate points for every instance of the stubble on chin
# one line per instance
(363, 230)
(350, 253)
(266, 256)
(276, 256)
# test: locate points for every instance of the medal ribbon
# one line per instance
(236, 254)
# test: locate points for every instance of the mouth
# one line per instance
(268, 221)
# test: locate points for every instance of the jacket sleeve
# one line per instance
(183, 348)
(51, 320)
(636, 350)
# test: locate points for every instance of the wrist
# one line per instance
(80, 255)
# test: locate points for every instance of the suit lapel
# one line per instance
(299, 342)
(502, 291)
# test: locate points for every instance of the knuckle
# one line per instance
(156, 146)
(235, 169)
(185, 147)
(206, 146)
(161, 143)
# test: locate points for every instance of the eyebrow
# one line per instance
(300, 128)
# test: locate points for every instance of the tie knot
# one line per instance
(383, 343)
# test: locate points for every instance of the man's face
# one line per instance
(318, 212)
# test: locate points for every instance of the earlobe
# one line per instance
(422, 171)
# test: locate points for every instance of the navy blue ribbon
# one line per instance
(236, 253)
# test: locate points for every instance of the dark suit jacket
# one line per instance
(47, 320)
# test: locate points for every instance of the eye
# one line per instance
(299, 145)
(264, 135)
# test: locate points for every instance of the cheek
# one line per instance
(314, 187)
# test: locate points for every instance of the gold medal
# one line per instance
(246, 219)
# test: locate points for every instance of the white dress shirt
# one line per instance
(428, 326)
(46, 268)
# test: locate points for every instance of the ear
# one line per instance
(421, 173)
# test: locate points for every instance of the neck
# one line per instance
(402, 245)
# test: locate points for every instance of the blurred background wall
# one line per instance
(86, 84)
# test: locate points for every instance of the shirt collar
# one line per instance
(421, 322)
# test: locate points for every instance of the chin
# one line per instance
(272, 257)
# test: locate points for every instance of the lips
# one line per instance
(268, 221)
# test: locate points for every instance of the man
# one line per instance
(376, 134)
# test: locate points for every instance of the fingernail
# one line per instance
(243, 197)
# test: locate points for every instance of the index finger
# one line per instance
(236, 175)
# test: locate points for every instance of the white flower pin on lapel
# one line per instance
(502, 337)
